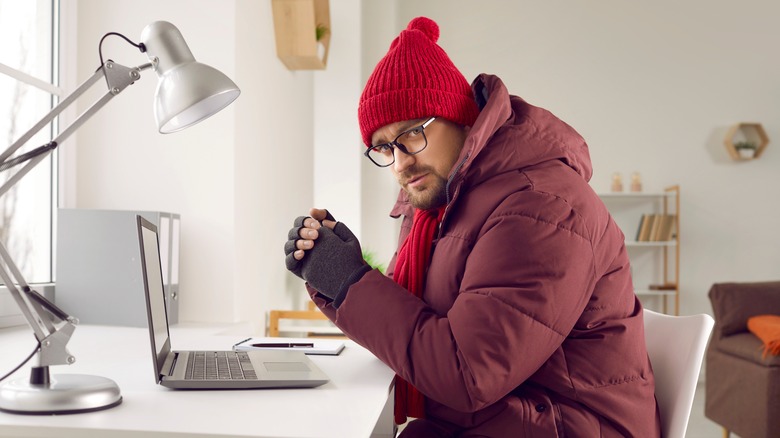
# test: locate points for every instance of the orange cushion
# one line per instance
(767, 328)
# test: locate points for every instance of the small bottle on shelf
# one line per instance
(636, 182)
(617, 182)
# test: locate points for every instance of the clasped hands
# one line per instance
(324, 253)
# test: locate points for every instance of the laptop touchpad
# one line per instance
(286, 366)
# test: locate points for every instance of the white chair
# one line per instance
(676, 346)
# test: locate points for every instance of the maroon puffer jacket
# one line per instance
(528, 325)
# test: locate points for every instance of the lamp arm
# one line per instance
(31, 311)
(64, 103)
(118, 77)
(43, 316)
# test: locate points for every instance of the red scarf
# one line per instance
(411, 268)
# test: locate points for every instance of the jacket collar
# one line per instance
(493, 101)
(508, 135)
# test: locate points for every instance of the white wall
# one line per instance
(380, 21)
(337, 138)
(273, 169)
(652, 86)
(237, 179)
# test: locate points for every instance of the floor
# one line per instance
(700, 426)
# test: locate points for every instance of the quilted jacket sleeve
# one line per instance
(524, 283)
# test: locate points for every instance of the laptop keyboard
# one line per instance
(219, 365)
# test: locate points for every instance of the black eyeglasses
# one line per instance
(411, 142)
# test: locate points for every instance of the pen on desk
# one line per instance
(283, 345)
(239, 343)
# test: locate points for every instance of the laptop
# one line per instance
(225, 369)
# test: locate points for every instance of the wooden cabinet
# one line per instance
(302, 32)
(655, 264)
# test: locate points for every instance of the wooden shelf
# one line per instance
(667, 252)
(310, 322)
(319, 329)
(659, 293)
(295, 30)
(652, 243)
(637, 195)
(746, 132)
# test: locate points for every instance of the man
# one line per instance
(508, 309)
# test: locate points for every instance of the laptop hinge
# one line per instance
(170, 364)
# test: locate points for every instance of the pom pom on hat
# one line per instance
(414, 80)
(426, 26)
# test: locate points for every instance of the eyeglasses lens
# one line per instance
(410, 142)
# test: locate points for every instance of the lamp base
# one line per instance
(65, 394)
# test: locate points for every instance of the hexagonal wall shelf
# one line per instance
(302, 30)
(746, 133)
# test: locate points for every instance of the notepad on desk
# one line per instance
(329, 347)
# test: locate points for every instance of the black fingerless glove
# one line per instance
(293, 236)
(334, 263)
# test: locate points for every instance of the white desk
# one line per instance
(353, 404)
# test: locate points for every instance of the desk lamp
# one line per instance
(187, 92)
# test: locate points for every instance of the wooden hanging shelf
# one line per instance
(746, 133)
(297, 24)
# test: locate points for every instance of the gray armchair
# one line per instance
(742, 388)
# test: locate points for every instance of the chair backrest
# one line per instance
(676, 346)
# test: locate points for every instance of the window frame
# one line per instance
(10, 315)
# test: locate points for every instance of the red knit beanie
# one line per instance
(415, 79)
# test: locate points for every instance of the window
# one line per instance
(27, 68)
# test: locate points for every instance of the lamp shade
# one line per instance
(187, 91)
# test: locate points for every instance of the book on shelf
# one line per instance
(643, 233)
(656, 228)
(666, 231)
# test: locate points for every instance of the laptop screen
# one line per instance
(153, 286)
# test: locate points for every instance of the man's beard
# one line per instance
(434, 194)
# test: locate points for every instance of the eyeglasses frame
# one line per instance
(399, 146)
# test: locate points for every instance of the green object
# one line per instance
(745, 145)
(372, 261)
(321, 31)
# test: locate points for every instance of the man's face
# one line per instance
(424, 175)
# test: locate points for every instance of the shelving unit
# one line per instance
(653, 262)
(296, 24)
